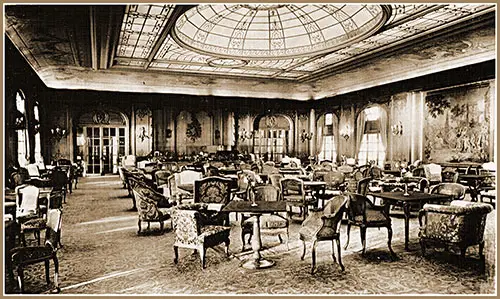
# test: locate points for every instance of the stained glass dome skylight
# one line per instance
(269, 31)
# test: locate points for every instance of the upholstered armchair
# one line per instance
(324, 225)
(460, 224)
(151, 206)
(194, 229)
(22, 257)
(433, 173)
(363, 213)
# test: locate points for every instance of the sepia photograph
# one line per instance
(249, 149)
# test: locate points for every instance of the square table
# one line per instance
(399, 199)
(256, 209)
(473, 182)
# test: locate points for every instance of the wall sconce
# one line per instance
(397, 129)
(244, 134)
(168, 133)
(346, 132)
(58, 133)
(306, 136)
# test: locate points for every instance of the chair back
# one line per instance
(161, 177)
(269, 169)
(335, 208)
(334, 179)
(346, 169)
(188, 177)
(433, 172)
(265, 193)
(275, 179)
(418, 183)
(128, 160)
(245, 166)
(362, 186)
(33, 170)
(147, 202)
(357, 206)
(215, 190)
(27, 199)
(53, 231)
(59, 179)
(292, 186)
(61, 162)
(454, 190)
(319, 174)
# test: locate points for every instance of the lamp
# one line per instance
(397, 129)
(58, 133)
(345, 132)
(244, 134)
(305, 135)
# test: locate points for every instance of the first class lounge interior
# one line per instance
(250, 149)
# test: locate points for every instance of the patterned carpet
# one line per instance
(103, 254)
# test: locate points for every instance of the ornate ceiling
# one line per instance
(273, 50)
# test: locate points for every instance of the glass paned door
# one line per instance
(272, 143)
(104, 148)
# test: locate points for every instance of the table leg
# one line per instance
(256, 261)
(406, 210)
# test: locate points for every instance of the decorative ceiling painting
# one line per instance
(278, 47)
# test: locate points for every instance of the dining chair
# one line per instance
(275, 224)
(151, 206)
(22, 257)
(363, 213)
(324, 225)
(294, 193)
(455, 191)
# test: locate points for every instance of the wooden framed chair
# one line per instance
(324, 225)
(455, 191)
(24, 256)
(294, 193)
(363, 213)
(270, 224)
(216, 192)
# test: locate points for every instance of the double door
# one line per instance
(104, 147)
(271, 143)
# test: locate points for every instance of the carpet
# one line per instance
(103, 254)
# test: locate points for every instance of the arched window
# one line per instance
(372, 135)
(22, 132)
(327, 129)
(36, 130)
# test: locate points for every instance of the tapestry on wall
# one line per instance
(457, 125)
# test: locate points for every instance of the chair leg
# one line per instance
(242, 240)
(149, 225)
(482, 257)
(139, 224)
(313, 255)
(422, 246)
(362, 231)
(389, 241)
(303, 250)
(56, 273)
(23, 238)
(47, 272)
(161, 227)
(37, 234)
(176, 254)
(340, 255)
(348, 233)
(333, 252)
(287, 239)
(202, 251)
(20, 279)
(226, 243)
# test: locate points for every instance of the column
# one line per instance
(312, 128)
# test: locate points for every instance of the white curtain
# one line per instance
(319, 134)
(335, 130)
(383, 127)
(360, 130)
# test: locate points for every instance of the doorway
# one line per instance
(104, 147)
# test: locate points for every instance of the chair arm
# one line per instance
(458, 209)
(186, 225)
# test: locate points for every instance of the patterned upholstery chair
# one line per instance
(194, 229)
(324, 225)
(433, 173)
(270, 224)
(363, 213)
(25, 256)
(149, 206)
(293, 191)
(459, 224)
(161, 178)
(215, 191)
